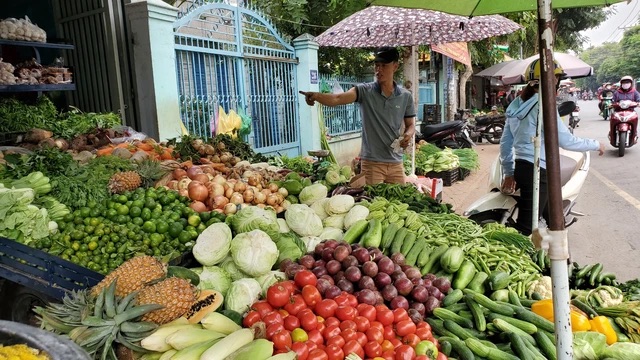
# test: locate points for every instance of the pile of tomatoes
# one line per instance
(294, 316)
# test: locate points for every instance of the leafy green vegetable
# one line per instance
(468, 158)
(299, 164)
(50, 161)
(21, 220)
(408, 194)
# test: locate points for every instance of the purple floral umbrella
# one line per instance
(391, 26)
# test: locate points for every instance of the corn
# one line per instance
(185, 338)
(219, 323)
(228, 345)
(157, 340)
(194, 351)
(259, 349)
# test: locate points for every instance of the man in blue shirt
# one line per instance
(386, 108)
(516, 149)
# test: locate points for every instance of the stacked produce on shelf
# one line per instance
(21, 29)
(33, 73)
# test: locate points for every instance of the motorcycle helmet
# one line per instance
(626, 83)
(533, 71)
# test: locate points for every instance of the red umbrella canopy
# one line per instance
(390, 26)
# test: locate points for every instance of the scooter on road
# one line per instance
(622, 125)
(574, 119)
(488, 127)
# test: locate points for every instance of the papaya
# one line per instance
(208, 301)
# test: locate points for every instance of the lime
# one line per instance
(184, 237)
(135, 211)
(122, 199)
(149, 203)
(175, 229)
(149, 227)
(194, 220)
(137, 221)
(123, 210)
(151, 193)
(162, 227)
(93, 245)
(205, 216)
(145, 214)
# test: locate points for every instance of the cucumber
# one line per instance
(387, 236)
(498, 280)
(355, 231)
(433, 259)
(535, 319)
(514, 298)
(545, 345)
(457, 307)
(455, 328)
(452, 298)
(508, 328)
(445, 347)
(444, 314)
(533, 349)
(464, 275)
(183, 273)
(437, 326)
(477, 283)
(424, 256)
(519, 348)
(398, 240)
(452, 259)
(373, 236)
(478, 316)
(489, 304)
(407, 243)
(412, 256)
(584, 307)
(527, 327)
(460, 348)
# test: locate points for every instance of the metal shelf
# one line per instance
(36, 44)
(40, 87)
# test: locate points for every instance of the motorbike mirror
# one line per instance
(566, 108)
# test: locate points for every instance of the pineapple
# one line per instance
(133, 275)
(150, 171)
(175, 294)
(121, 182)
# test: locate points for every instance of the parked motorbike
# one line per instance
(622, 125)
(574, 119)
(607, 98)
(488, 127)
(452, 134)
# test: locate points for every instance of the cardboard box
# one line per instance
(357, 181)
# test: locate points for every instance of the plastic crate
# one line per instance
(463, 173)
(448, 177)
(41, 271)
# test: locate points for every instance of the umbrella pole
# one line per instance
(555, 240)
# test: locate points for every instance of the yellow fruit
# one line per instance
(133, 275)
(208, 301)
(124, 181)
(175, 294)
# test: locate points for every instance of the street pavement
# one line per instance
(610, 200)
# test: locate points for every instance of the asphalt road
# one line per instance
(610, 199)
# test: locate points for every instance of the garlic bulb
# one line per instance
(21, 29)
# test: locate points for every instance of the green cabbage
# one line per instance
(339, 204)
(232, 269)
(331, 233)
(334, 221)
(358, 212)
(242, 294)
(311, 242)
(251, 218)
(290, 246)
(588, 345)
(213, 278)
(254, 252)
(284, 228)
(269, 279)
(303, 220)
(622, 351)
(318, 208)
(213, 244)
(313, 193)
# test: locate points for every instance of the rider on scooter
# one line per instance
(606, 87)
(517, 144)
(626, 91)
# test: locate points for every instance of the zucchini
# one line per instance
(593, 275)
(508, 328)
(455, 328)
(373, 236)
(489, 304)
(433, 258)
(460, 348)
(464, 275)
(545, 345)
(355, 231)
(412, 256)
(527, 327)
(444, 314)
(498, 280)
(397, 240)
(478, 316)
(407, 243)
(519, 348)
(452, 298)
(537, 320)
(387, 236)
(452, 259)
(477, 283)
(424, 256)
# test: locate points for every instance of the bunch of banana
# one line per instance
(591, 276)
(626, 316)
(97, 324)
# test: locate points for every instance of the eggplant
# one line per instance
(339, 190)
(354, 191)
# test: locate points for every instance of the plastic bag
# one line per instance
(245, 129)
(336, 88)
(128, 135)
(228, 123)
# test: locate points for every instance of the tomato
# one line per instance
(375, 334)
(326, 308)
(251, 318)
(291, 322)
(317, 354)
(400, 314)
(422, 357)
(442, 356)
(423, 324)
(331, 321)
(342, 299)
(334, 352)
(311, 295)
(349, 335)
(424, 334)
(301, 350)
(348, 324)
(368, 311)
(361, 338)
(386, 346)
(372, 349)
(337, 340)
(331, 331)
(389, 333)
(362, 323)
(377, 325)
(262, 307)
(311, 345)
(273, 329)
(308, 319)
(411, 340)
(305, 277)
(353, 347)
(282, 340)
(405, 327)
(316, 337)
(352, 300)
(388, 355)
(346, 313)
(278, 296)
(289, 285)
(272, 318)
(405, 352)
(283, 312)
(395, 342)
(296, 303)
(321, 326)
(384, 315)
(299, 335)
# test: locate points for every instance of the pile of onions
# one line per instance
(211, 192)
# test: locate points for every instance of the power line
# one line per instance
(617, 30)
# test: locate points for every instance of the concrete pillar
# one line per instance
(308, 80)
(156, 86)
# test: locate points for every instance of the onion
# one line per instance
(218, 202)
(273, 187)
(272, 200)
(236, 198)
(179, 173)
(279, 209)
(261, 206)
(279, 197)
(198, 192)
(228, 192)
(219, 179)
(216, 189)
(173, 184)
(183, 184)
(183, 192)
(230, 208)
(259, 198)
(198, 206)
(285, 204)
(248, 196)
(193, 183)
(283, 191)
(266, 192)
(202, 178)
(252, 180)
(207, 169)
(192, 171)
(219, 211)
(240, 186)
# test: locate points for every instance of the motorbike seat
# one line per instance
(428, 130)
(567, 168)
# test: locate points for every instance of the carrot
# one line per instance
(166, 154)
(123, 145)
(145, 146)
(187, 164)
(107, 150)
